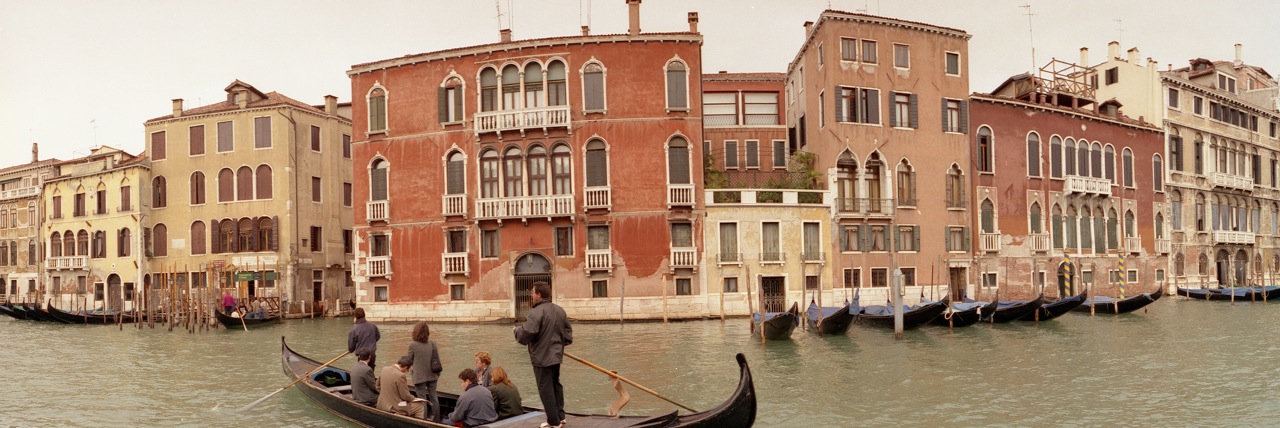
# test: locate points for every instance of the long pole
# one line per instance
(664, 298)
(628, 381)
(299, 379)
(751, 310)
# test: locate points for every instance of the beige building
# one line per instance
(19, 228)
(91, 231)
(253, 194)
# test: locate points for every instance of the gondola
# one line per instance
(778, 325)
(9, 310)
(963, 314)
(1009, 310)
(35, 314)
(334, 395)
(1056, 308)
(830, 320)
(1239, 293)
(912, 317)
(92, 318)
(1109, 305)
(238, 323)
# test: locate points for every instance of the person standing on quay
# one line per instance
(364, 335)
(426, 368)
(547, 332)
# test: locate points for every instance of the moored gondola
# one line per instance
(912, 316)
(34, 313)
(239, 323)
(1226, 294)
(335, 396)
(1109, 305)
(963, 314)
(1056, 308)
(830, 320)
(777, 325)
(9, 310)
(80, 317)
(1009, 310)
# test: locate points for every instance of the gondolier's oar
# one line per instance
(249, 406)
(628, 381)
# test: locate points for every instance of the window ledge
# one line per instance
(904, 128)
(678, 110)
(372, 133)
(599, 111)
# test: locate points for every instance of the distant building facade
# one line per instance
(20, 219)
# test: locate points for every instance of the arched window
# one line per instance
(1199, 212)
(1157, 173)
(377, 110)
(847, 182)
(488, 89)
(450, 104)
(31, 213)
(1073, 224)
(489, 174)
(124, 243)
(1159, 226)
(456, 174)
(533, 90)
(69, 244)
(955, 187)
(1055, 157)
(1180, 265)
(557, 91)
(197, 188)
(987, 216)
(244, 184)
(99, 244)
(512, 173)
(985, 150)
(82, 243)
(1128, 167)
(1070, 156)
(1095, 154)
(510, 87)
(197, 237)
(378, 180)
(4, 217)
(1033, 154)
(1034, 219)
(4, 254)
(263, 182)
(678, 161)
(267, 234)
(226, 185)
(1203, 264)
(1109, 158)
(562, 168)
(1082, 159)
(906, 184)
(245, 237)
(1086, 228)
(537, 171)
(55, 244)
(677, 86)
(1112, 234)
(593, 87)
(159, 240)
(159, 198)
(227, 236)
(874, 167)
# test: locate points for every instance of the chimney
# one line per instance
(693, 22)
(1239, 54)
(808, 25)
(1133, 56)
(504, 35)
(331, 105)
(35, 152)
(1084, 57)
(633, 14)
(586, 31)
(177, 107)
(1113, 50)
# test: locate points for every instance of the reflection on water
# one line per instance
(1181, 363)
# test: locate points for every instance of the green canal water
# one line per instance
(1182, 363)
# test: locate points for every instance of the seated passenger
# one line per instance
(394, 393)
(475, 405)
(364, 386)
(506, 397)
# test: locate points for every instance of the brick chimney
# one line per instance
(504, 35)
(1239, 54)
(633, 15)
(330, 105)
(586, 31)
(808, 26)
(35, 152)
(1084, 57)
(693, 22)
(177, 107)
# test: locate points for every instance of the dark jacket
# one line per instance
(506, 400)
(475, 407)
(364, 387)
(363, 335)
(547, 332)
(425, 357)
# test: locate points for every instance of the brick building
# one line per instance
(20, 220)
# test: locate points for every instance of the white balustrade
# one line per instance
(1040, 242)
(66, 263)
(520, 119)
(599, 260)
(377, 211)
(679, 195)
(455, 263)
(1078, 184)
(597, 198)
(990, 242)
(378, 266)
(684, 257)
(454, 205)
(21, 192)
(525, 206)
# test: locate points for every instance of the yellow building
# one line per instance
(253, 195)
(92, 218)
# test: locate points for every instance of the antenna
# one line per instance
(1031, 35)
(94, 123)
(1120, 29)
(497, 4)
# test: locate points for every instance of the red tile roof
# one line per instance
(46, 162)
(467, 50)
(270, 99)
(744, 77)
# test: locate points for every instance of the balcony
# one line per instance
(1231, 237)
(67, 263)
(679, 195)
(813, 257)
(1078, 184)
(522, 119)
(376, 211)
(599, 260)
(1162, 246)
(1133, 244)
(1222, 179)
(729, 258)
(990, 242)
(772, 257)
(864, 207)
(597, 198)
(1039, 242)
(684, 257)
(524, 207)
(455, 264)
(378, 266)
(454, 205)
(21, 192)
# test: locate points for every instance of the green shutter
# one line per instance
(839, 108)
(897, 239)
(946, 233)
(965, 246)
(442, 104)
(915, 234)
(944, 115)
(843, 237)
(893, 110)
(863, 245)
(914, 121)
(964, 117)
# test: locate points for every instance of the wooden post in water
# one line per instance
(622, 300)
(722, 300)
(1092, 268)
(664, 298)
(751, 311)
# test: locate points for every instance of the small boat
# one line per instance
(965, 313)
(1109, 305)
(331, 389)
(912, 316)
(9, 310)
(778, 325)
(829, 320)
(237, 323)
(34, 313)
(1056, 308)
(1237, 294)
(1009, 310)
(82, 317)
(1268, 293)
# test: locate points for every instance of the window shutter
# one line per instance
(896, 238)
(914, 121)
(965, 244)
(893, 109)
(863, 245)
(456, 185)
(254, 245)
(839, 107)
(442, 104)
(844, 238)
(915, 238)
(946, 233)
(678, 162)
(964, 117)
(873, 106)
(945, 118)
(457, 104)
(275, 233)
(597, 173)
(215, 243)
(378, 176)
(146, 239)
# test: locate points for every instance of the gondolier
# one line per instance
(547, 332)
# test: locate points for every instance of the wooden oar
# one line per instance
(249, 406)
(628, 381)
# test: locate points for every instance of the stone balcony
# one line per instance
(680, 195)
(1039, 242)
(376, 211)
(1233, 237)
(597, 198)
(1133, 244)
(599, 260)
(684, 257)
(525, 207)
(1224, 180)
(378, 266)
(864, 207)
(455, 264)
(1163, 246)
(21, 192)
(453, 205)
(1087, 185)
(67, 263)
(990, 242)
(540, 118)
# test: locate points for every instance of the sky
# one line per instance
(75, 74)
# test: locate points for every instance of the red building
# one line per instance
(1059, 174)
(572, 160)
(745, 136)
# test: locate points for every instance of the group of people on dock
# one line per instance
(488, 393)
(251, 308)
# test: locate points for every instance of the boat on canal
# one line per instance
(777, 325)
(1009, 310)
(1110, 305)
(237, 323)
(12, 311)
(912, 316)
(962, 314)
(92, 317)
(831, 320)
(330, 387)
(1056, 308)
(1239, 293)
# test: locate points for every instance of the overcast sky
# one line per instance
(79, 73)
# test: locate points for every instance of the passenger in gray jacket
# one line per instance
(364, 386)
(475, 404)
(426, 368)
(547, 332)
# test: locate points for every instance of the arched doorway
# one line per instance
(114, 302)
(1242, 268)
(530, 268)
(1223, 269)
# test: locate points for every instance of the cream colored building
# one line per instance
(91, 231)
(253, 194)
(19, 228)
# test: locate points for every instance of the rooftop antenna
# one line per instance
(94, 123)
(1031, 35)
(497, 4)
(1120, 28)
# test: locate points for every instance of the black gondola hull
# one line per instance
(964, 318)
(1128, 304)
(9, 310)
(1013, 312)
(910, 319)
(234, 323)
(1057, 308)
(836, 324)
(780, 326)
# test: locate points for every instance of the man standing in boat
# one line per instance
(364, 335)
(547, 332)
(228, 302)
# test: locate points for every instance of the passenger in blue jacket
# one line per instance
(547, 332)
(364, 336)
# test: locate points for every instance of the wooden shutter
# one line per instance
(946, 233)
(863, 238)
(914, 121)
(893, 109)
(964, 117)
(966, 242)
(597, 168)
(254, 245)
(844, 237)
(442, 104)
(226, 185)
(275, 233)
(896, 238)
(678, 163)
(593, 90)
(215, 242)
(873, 106)
(262, 132)
(455, 171)
(839, 108)
(195, 145)
(378, 178)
